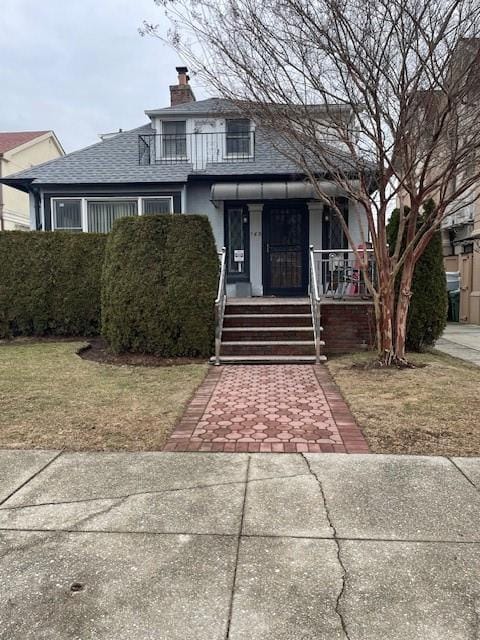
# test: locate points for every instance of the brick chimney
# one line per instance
(182, 92)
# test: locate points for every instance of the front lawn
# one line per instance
(51, 398)
(429, 410)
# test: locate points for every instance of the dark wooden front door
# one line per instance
(285, 249)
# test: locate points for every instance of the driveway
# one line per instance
(461, 341)
(201, 546)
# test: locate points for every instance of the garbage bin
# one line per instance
(454, 305)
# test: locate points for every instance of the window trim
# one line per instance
(240, 156)
(84, 200)
(143, 198)
(245, 275)
(176, 157)
(53, 212)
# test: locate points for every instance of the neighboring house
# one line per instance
(461, 229)
(202, 157)
(22, 150)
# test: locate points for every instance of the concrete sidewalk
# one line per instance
(205, 546)
(461, 341)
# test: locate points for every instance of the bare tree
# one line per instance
(380, 96)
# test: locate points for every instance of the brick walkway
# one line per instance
(274, 408)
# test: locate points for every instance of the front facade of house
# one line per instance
(196, 157)
(203, 157)
(22, 150)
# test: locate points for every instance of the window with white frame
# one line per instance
(154, 206)
(238, 138)
(101, 214)
(67, 214)
(174, 139)
(97, 215)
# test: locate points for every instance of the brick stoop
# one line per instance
(269, 408)
(262, 330)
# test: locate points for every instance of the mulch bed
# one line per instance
(97, 351)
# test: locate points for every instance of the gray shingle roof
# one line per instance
(210, 105)
(116, 160)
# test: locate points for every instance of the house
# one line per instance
(461, 228)
(203, 157)
(22, 150)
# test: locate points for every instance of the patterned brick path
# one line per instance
(274, 408)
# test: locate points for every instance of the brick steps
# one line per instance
(249, 334)
(263, 330)
(269, 348)
(277, 308)
(267, 320)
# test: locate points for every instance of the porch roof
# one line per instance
(279, 190)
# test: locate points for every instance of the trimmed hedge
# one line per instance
(159, 284)
(427, 314)
(50, 283)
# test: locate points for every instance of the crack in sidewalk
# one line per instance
(341, 593)
(19, 507)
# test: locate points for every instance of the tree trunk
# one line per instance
(403, 304)
(384, 307)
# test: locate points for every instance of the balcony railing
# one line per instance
(339, 274)
(198, 149)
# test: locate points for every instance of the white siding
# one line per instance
(357, 221)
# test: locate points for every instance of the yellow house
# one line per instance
(21, 150)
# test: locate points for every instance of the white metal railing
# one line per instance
(339, 273)
(220, 303)
(315, 303)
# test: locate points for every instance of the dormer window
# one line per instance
(174, 139)
(238, 138)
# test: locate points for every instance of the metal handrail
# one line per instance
(220, 303)
(315, 303)
(339, 273)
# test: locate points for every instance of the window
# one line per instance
(67, 215)
(101, 214)
(174, 139)
(238, 138)
(236, 240)
(98, 215)
(153, 206)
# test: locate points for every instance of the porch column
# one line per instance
(315, 209)
(256, 253)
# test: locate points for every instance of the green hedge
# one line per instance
(50, 283)
(159, 283)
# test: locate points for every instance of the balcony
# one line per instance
(197, 149)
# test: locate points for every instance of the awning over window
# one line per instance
(250, 191)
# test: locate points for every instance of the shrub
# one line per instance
(159, 283)
(427, 315)
(50, 283)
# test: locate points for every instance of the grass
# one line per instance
(431, 410)
(51, 398)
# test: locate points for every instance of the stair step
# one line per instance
(244, 359)
(269, 348)
(268, 320)
(242, 308)
(254, 334)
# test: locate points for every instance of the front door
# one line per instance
(285, 249)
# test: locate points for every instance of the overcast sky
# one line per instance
(80, 67)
